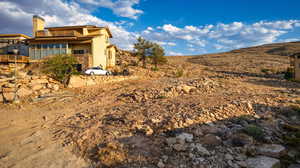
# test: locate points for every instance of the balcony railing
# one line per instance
(69, 33)
(12, 59)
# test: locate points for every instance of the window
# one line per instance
(78, 51)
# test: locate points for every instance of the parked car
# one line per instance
(97, 71)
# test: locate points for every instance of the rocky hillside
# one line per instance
(226, 110)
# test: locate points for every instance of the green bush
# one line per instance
(289, 74)
(154, 69)
(265, 70)
(60, 67)
(178, 73)
(254, 131)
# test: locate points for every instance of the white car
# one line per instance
(96, 71)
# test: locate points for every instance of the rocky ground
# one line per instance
(220, 110)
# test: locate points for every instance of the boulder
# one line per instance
(44, 91)
(55, 87)
(8, 96)
(294, 166)
(180, 147)
(241, 140)
(185, 137)
(39, 81)
(263, 162)
(200, 149)
(211, 139)
(272, 150)
(24, 91)
(185, 88)
(36, 87)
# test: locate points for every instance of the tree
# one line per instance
(60, 67)
(142, 48)
(157, 55)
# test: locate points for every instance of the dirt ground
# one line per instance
(68, 128)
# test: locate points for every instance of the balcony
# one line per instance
(11, 59)
(69, 33)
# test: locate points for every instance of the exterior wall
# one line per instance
(85, 59)
(99, 51)
(297, 68)
(111, 56)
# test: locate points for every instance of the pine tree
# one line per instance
(142, 49)
(157, 55)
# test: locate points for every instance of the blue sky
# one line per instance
(182, 27)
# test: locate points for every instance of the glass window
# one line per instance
(78, 51)
(56, 51)
(63, 51)
(56, 46)
(50, 45)
(63, 46)
(45, 46)
(32, 46)
(38, 46)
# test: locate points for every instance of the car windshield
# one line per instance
(96, 68)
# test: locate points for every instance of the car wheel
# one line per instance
(92, 73)
(107, 73)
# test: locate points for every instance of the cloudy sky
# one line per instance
(183, 27)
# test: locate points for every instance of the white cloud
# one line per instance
(171, 44)
(172, 53)
(170, 28)
(122, 8)
(290, 40)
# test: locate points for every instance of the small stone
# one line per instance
(45, 118)
(272, 150)
(262, 162)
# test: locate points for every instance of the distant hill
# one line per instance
(282, 49)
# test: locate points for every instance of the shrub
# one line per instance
(154, 69)
(265, 70)
(60, 67)
(254, 131)
(289, 74)
(178, 73)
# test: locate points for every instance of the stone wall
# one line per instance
(26, 86)
(82, 80)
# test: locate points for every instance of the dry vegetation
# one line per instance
(216, 110)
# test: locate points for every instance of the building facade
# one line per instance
(8, 42)
(89, 44)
